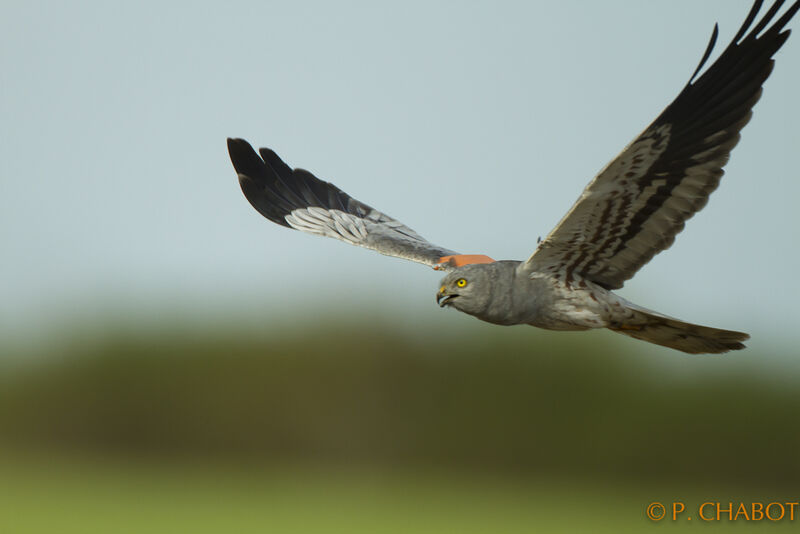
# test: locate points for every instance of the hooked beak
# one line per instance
(443, 298)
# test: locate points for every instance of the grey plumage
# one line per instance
(505, 293)
(629, 212)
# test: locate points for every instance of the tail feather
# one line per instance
(686, 337)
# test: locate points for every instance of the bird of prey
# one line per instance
(628, 213)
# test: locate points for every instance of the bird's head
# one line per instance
(467, 289)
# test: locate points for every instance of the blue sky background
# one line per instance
(477, 124)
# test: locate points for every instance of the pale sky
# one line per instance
(476, 123)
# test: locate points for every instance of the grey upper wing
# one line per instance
(297, 199)
(637, 205)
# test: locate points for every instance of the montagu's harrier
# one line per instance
(630, 211)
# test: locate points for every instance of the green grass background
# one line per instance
(208, 429)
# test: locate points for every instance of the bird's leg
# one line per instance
(459, 260)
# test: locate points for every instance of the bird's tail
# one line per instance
(668, 332)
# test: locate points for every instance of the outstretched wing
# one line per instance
(297, 199)
(637, 205)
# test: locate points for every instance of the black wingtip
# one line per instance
(742, 34)
(260, 184)
(707, 53)
(244, 158)
(236, 144)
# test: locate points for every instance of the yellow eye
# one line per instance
(461, 282)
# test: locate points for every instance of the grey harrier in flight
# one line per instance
(629, 212)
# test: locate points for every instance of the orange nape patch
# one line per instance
(459, 260)
(632, 327)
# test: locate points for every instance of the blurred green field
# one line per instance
(498, 430)
(46, 495)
